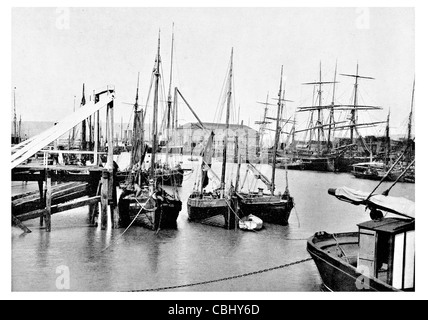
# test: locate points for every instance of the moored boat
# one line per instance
(202, 205)
(379, 257)
(143, 201)
(271, 208)
(250, 222)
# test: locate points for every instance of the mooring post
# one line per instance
(42, 199)
(114, 209)
(104, 198)
(48, 200)
(94, 190)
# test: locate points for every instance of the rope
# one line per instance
(340, 248)
(133, 220)
(227, 278)
(297, 215)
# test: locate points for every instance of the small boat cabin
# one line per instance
(387, 251)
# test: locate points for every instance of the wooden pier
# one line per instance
(65, 187)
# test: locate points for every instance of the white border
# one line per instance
(421, 67)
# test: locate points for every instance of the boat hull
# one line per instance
(271, 209)
(200, 209)
(172, 178)
(149, 213)
(337, 273)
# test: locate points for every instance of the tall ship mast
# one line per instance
(145, 202)
(355, 153)
(322, 159)
(270, 207)
(203, 205)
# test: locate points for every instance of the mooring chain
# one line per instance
(225, 279)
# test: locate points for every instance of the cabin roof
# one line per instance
(389, 225)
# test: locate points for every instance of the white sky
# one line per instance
(101, 46)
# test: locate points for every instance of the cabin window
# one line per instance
(384, 253)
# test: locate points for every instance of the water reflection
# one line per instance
(142, 259)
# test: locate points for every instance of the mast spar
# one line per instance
(155, 114)
(319, 126)
(169, 103)
(409, 133)
(332, 110)
(354, 115)
(229, 96)
(14, 113)
(278, 128)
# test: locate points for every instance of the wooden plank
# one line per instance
(39, 167)
(75, 204)
(56, 189)
(72, 152)
(50, 135)
(18, 223)
(59, 208)
(71, 193)
(24, 195)
(69, 177)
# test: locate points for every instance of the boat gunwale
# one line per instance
(316, 250)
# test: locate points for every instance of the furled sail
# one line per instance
(397, 205)
(207, 155)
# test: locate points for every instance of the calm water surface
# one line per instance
(141, 259)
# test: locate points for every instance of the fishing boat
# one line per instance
(202, 205)
(250, 222)
(143, 200)
(379, 257)
(270, 207)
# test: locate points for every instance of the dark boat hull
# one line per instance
(337, 273)
(345, 163)
(323, 164)
(271, 209)
(150, 213)
(200, 209)
(172, 178)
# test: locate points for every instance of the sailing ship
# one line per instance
(270, 207)
(143, 200)
(172, 174)
(321, 159)
(202, 205)
(353, 153)
(328, 157)
(379, 257)
(141, 153)
(380, 169)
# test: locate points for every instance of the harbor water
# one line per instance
(194, 253)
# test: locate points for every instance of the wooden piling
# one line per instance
(104, 199)
(48, 201)
(42, 200)
(19, 224)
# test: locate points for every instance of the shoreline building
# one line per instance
(242, 140)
